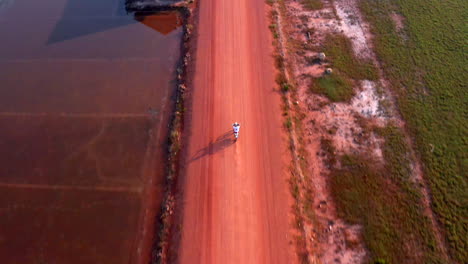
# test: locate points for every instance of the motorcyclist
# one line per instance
(236, 127)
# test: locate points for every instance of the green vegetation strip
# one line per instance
(426, 65)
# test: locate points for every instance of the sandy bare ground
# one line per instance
(235, 205)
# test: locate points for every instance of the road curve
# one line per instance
(236, 202)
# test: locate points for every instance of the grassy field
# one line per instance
(426, 65)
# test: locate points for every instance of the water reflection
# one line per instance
(164, 22)
(78, 145)
(84, 17)
(4, 4)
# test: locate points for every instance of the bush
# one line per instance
(312, 4)
(339, 51)
(336, 87)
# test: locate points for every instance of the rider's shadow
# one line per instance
(219, 144)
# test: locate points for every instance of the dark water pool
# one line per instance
(85, 94)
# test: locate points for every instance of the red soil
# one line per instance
(236, 199)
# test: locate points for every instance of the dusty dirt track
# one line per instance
(235, 195)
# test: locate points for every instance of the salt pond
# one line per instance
(85, 96)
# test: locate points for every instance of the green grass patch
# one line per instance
(383, 200)
(285, 87)
(346, 66)
(312, 4)
(427, 72)
(274, 30)
(288, 123)
(339, 51)
(335, 86)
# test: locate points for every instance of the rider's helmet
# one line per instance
(236, 124)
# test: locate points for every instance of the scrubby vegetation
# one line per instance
(312, 4)
(339, 50)
(334, 86)
(425, 63)
(346, 68)
(384, 201)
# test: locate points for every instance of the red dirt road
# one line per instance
(235, 195)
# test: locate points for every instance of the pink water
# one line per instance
(85, 96)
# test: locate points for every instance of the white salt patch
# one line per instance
(366, 102)
(352, 28)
